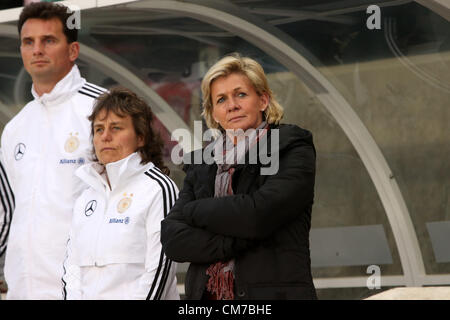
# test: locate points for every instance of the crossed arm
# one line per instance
(212, 229)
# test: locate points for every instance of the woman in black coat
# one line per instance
(244, 214)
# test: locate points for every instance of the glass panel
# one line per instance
(397, 79)
(345, 195)
(11, 98)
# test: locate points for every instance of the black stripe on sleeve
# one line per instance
(90, 91)
(95, 87)
(87, 94)
(169, 184)
(161, 258)
(155, 280)
(64, 291)
(162, 188)
(169, 197)
(166, 184)
(163, 282)
(172, 197)
(7, 202)
(8, 186)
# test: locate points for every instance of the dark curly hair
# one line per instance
(47, 11)
(124, 102)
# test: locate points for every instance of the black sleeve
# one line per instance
(183, 242)
(277, 202)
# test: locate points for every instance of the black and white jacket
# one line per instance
(114, 250)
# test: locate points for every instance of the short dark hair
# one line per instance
(124, 102)
(47, 11)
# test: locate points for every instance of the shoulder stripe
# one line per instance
(167, 188)
(163, 191)
(95, 87)
(94, 92)
(87, 94)
(169, 185)
(8, 203)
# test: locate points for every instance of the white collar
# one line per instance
(117, 172)
(66, 87)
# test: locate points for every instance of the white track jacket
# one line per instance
(42, 146)
(114, 250)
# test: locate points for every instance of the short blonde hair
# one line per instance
(234, 63)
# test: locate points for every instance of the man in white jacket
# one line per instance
(42, 146)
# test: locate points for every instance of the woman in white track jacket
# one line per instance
(114, 250)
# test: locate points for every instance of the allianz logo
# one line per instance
(79, 161)
(115, 220)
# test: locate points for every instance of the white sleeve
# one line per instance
(71, 279)
(71, 284)
(6, 207)
(159, 281)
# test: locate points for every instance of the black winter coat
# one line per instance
(264, 226)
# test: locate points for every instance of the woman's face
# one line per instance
(114, 137)
(236, 105)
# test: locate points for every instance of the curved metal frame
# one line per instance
(441, 7)
(169, 118)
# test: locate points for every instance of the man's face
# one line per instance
(46, 54)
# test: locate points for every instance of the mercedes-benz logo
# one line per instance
(90, 207)
(19, 151)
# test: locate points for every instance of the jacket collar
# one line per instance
(94, 173)
(65, 88)
(287, 135)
